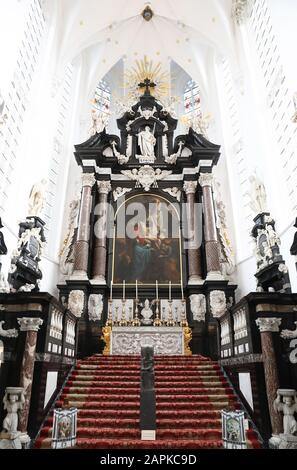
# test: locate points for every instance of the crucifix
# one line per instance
(147, 84)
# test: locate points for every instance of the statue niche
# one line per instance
(147, 131)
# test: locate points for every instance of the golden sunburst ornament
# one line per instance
(147, 75)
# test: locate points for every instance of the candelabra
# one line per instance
(157, 321)
(183, 320)
(116, 322)
(130, 317)
(109, 321)
(123, 321)
(170, 321)
(136, 321)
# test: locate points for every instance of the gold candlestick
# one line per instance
(183, 320)
(136, 321)
(157, 321)
(123, 321)
(116, 322)
(170, 321)
(109, 321)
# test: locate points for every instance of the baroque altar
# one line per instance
(158, 270)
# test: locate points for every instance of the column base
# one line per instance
(98, 281)
(148, 435)
(215, 276)
(195, 281)
(79, 276)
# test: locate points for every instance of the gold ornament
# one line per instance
(106, 336)
(146, 69)
(187, 338)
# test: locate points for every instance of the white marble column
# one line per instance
(81, 253)
(31, 326)
(210, 229)
(194, 254)
(267, 326)
(100, 249)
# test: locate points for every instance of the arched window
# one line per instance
(102, 97)
(192, 98)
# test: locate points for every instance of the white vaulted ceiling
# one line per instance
(101, 32)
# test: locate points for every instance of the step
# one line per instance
(138, 444)
(101, 397)
(99, 405)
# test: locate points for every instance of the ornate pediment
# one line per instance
(146, 138)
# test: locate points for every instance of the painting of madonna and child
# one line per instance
(147, 242)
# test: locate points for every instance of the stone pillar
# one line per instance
(100, 250)
(210, 229)
(194, 254)
(31, 326)
(81, 253)
(267, 326)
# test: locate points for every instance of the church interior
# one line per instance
(148, 224)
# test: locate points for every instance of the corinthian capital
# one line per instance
(88, 179)
(104, 187)
(269, 324)
(190, 187)
(205, 179)
(30, 324)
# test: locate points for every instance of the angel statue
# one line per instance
(13, 402)
(37, 197)
(258, 194)
(288, 407)
(99, 122)
(147, 312)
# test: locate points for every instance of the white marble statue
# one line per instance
(66, 255)
(37, 198)
(200, 124)
(99, 122)
(4, 285)
(258, 202)
(147, 142)
(13, 402)
(286, 402)
(95, 307)
(272, 236)
(7, 333)
(147, 313)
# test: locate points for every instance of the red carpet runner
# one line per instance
(190, 393)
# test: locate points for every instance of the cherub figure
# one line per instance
(288, 407)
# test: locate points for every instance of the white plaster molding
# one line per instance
(95, 307)
(198, 307)
(30, 324)
(218, 304)
(268, 324)
(76, 302)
